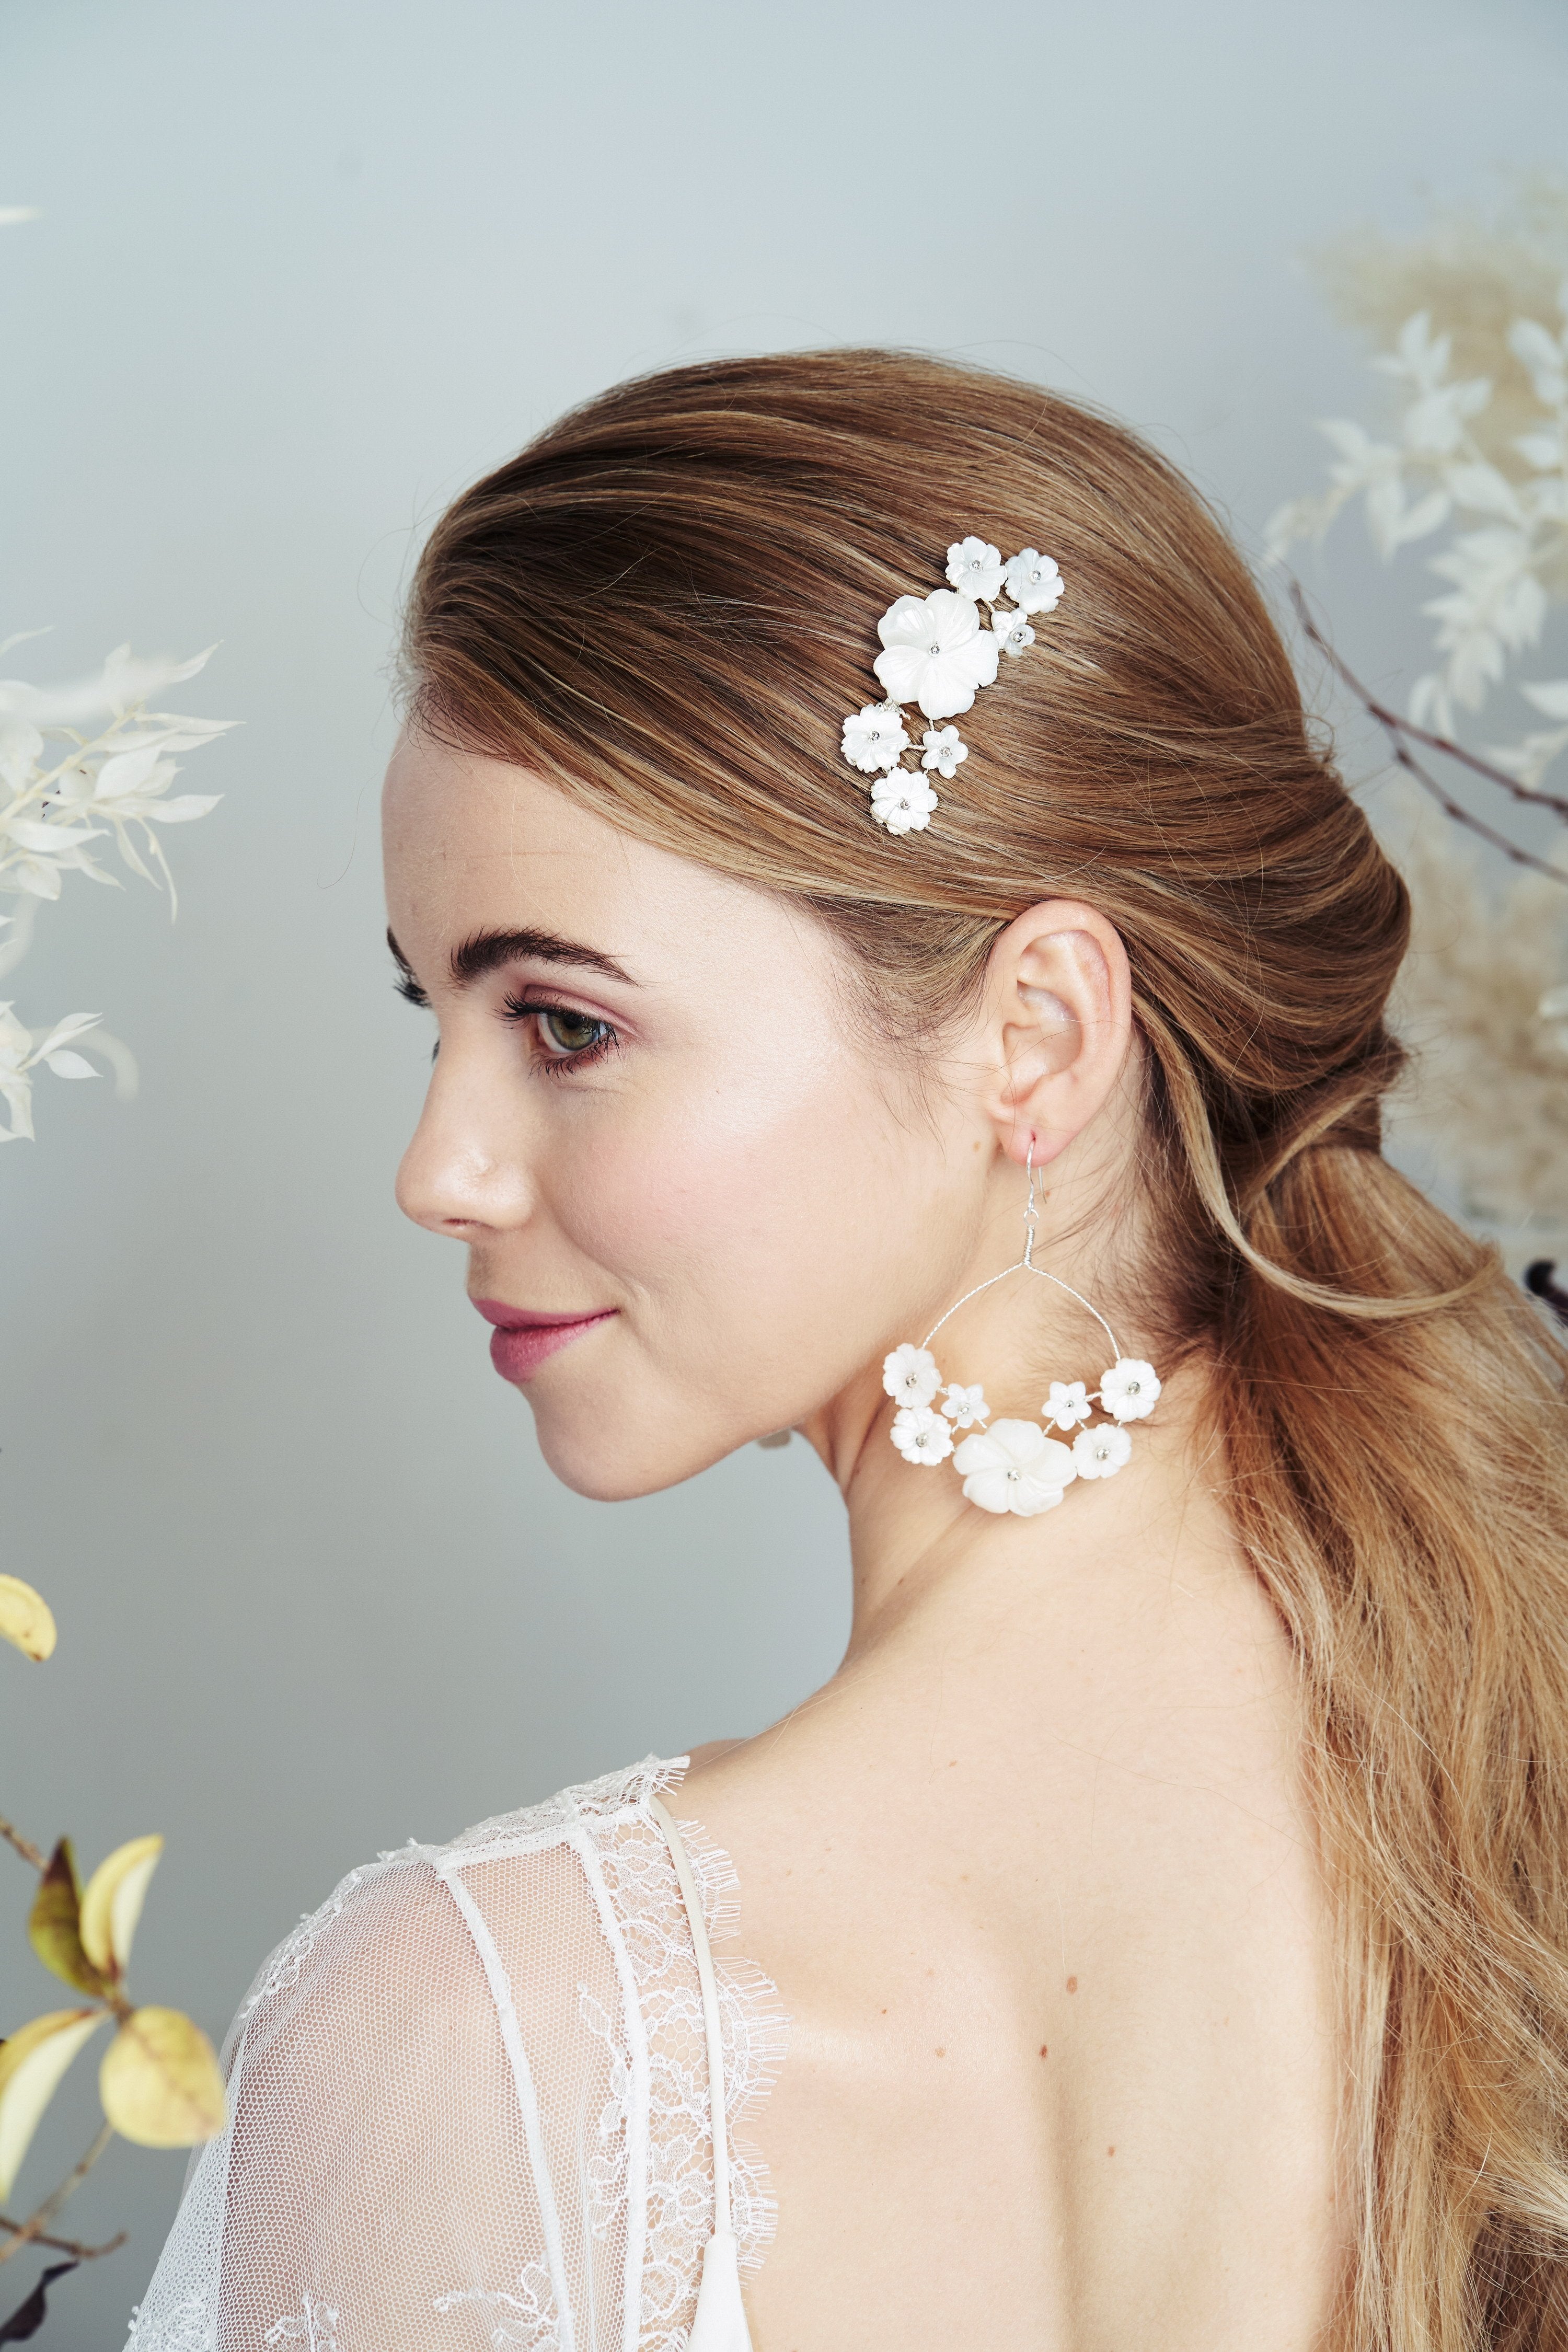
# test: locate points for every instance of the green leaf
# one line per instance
(54, 1925)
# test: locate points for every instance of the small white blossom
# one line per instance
(1015, 1467)
(975, 569)
(1100, 1453)
(1013, 631)
(1034, 582)
(942, 749)
(922, 1435)
(910, 1375)
(1067, 1404)
(1131, 1389)
(935, 653)
(965, 1407)
(901, 802)
(875, 737)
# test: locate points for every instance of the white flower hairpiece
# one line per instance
(937, 656)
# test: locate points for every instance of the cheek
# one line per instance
(755, 1227)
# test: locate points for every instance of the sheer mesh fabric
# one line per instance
(469, 2103)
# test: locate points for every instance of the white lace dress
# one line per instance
(469, 2104)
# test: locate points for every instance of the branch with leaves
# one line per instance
(1470, 463)
(159, 2082)
(83, 764)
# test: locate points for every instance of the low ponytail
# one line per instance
(1390, 1408)
(1387, 1480)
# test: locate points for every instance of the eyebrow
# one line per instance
(485, 951)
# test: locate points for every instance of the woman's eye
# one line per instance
(563, 1032)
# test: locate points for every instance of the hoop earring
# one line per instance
(1014, 1465)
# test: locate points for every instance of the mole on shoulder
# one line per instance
(1072, 1984)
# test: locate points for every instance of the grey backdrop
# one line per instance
(305, 267)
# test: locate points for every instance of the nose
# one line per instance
(464, 1174)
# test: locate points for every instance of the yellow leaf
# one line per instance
(31, 2065)
(159, 2081)
(53, 1924)
(25, 1618)
(112, 1903)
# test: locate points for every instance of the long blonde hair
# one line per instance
(668, 605)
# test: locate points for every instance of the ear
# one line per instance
(1058, 1022)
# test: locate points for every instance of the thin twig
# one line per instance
(64, 2245)
(1402, 733)
(23, 1846)
(1407, 758)
(1392, 719)
(33, 2227)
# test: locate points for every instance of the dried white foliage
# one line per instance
(1483, 1003)
(84, 763)
(1477, 452)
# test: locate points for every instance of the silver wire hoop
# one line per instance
(1016, 1465)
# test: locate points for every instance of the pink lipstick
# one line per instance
(523, 1340)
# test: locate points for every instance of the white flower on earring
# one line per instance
(1034, 582)
(1100, 1453)
(964, 1407)
(1131, 1389)
(975, 568)
(921, 1435)
(911, 1374)
(1067, 1404)
(875, 737)
(943, 748)
(1012, 632)
(902, 803)
(1015, 1467)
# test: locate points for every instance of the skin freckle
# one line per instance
(1111, 2151)
(942, 2053)
(1072, 1984)
(1044, 2052)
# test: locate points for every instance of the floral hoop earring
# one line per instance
(1014, 1465)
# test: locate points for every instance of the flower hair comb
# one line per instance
(937, 656)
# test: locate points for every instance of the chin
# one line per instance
(630, 1464)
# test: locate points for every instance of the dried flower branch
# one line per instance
(111, 780)
(81, 765)
(1473, 321)
(1402, 733)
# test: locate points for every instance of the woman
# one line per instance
(1166, 1898)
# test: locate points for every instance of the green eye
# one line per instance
(565, 1032)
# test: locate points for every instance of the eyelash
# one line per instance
(530, 1008)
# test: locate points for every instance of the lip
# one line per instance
(523, 1340)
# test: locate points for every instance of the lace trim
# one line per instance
(282, 1971)
(314, 2325)
(640, 1880)
(755, 2026)
(190, 2326)
(592, 1805)
(524, 2318)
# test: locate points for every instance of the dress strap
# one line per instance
(720, 2322)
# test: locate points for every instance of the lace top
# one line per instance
(469, 2103)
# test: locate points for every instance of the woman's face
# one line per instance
(699, 1200)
